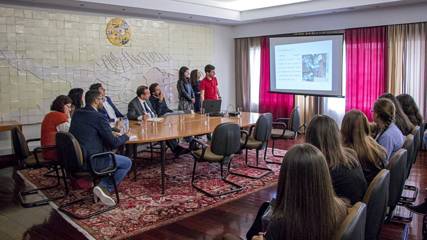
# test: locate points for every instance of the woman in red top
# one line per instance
(57, 120)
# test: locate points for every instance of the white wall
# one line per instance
(223, 60)
(335, 21)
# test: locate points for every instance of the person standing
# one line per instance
(92, 130)
(185, 91)
(209, 85)
(195, 84)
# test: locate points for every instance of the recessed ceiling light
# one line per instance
(82, 4)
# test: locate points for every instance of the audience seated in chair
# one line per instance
(93, 132)
(158, 100)
(56, 120)
(109, 110)
(306, 206)
(346, 173)
(389, 135)
(357, 136)
(401, 120)
(76, 95)
(140, 108)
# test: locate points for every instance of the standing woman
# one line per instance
(76, 95)
(195, 84)
(356, 135)
(56, 120)
(185, 91)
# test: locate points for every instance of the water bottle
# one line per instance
(125, 124)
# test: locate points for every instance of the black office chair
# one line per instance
(225, 143)
(417, 141)
(285, 128)
(376, 199)
(410, 192)
(353, 226)
(256, 138)
(70, 153)
(397, 168)
(33, 160)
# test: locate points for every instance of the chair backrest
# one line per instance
(263, 127)
(226, 139)
(69, 152)
(397, 168)
(20, 146)
(294, 120)
(417, 143)
(409, 146)
(353, 226)
(376, 199)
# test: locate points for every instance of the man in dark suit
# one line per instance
(109, 110)
(93, 132)
(140, 108)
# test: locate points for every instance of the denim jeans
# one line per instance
(123, 166)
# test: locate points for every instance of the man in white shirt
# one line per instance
(140, 108)
(109, 110)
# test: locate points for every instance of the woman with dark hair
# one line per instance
(410, 108)
(306, 206)
(195, 84)
(356, 135)
(157, 100)
(401, 120)
(389, 135)
(346, 173)
(76, 95)
(56, 120)
(185, 91)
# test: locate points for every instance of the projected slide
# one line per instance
(306, 65)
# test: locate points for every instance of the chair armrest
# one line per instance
(283, 125)
(38, 150)
(282, 120)
(107, 170)
(246, 136)
(203, 145)
(33, 140)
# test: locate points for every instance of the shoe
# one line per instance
(419, 209)
(103, 197)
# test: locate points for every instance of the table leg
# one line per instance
(162, 163)
(134, 155)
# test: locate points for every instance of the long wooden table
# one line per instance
(179, 126)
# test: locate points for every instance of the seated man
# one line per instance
(90, 127)
(140, 108)
(158, 101)
(109, 110)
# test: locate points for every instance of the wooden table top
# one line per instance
(9, 125)
(178, 126)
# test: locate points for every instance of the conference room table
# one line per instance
(178, 126)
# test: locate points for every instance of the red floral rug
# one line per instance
(142, 206)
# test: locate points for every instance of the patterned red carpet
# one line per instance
(143, 207)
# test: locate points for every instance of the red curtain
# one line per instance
(279, 104)
(366, 62)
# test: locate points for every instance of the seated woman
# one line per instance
(346, 173)
(56, 120)
(401, 120)
(357, 136)
(76, 95)
(157, 100)
(306, 206)
(410, 108)
(389, 135)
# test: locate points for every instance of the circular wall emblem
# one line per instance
(118, 31)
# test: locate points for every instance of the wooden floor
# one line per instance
(234, 217)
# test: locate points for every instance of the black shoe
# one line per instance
(419, 209)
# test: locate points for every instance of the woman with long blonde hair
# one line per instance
(346, 173)
(306, 205)
(356, 135)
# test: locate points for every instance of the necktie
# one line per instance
(148, 110)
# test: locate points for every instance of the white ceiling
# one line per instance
(242, 5)
(227, 12)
